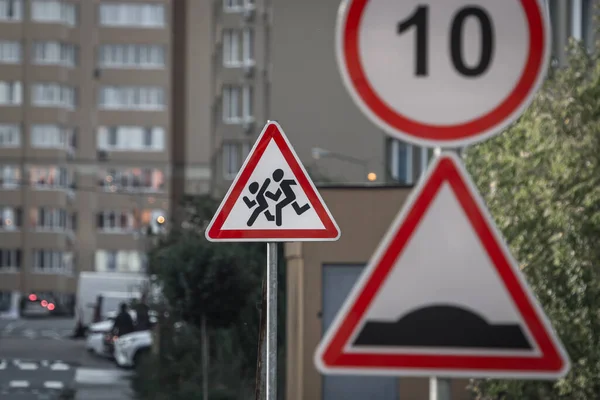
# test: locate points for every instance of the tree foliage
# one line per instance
(221, 282)
(541, 181)
(203, 278)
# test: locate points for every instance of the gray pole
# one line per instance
(261, 362)
(271, 321)
(205, 356)
(441, 388)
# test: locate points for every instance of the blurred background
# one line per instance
(116, 114)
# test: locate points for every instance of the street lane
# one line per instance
(35, 374)
(37, 328)
(39, 367)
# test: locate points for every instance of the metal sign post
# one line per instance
(271, 381)
(440, 388)
(271, 183)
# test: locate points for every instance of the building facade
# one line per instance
(268, 62)
(85, 132)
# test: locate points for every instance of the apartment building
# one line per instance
(85, 132)
(243, 62)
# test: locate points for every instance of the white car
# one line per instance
(131, 347)
(95, 337)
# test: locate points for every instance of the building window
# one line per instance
(111, 260)
(10, 135)
(131, 56)
(234, 5)
(53, 95)
(247, 102)
(132, 98)
(248, 48)
(400, 160)
(132, 179)
(231, 160)
(130, 15)
(11, 218)
(582, 28)
(51, 137)
(11, 10)
(54, 11)
(231, 104)
(11, 93)
(119, 261)
(131, 138)
(52, 261)
(10, 52)
(53, 219)
(232, 55)
(55, 53)
(115, 221)
(10, 177)
(10, 259)
(50, 177)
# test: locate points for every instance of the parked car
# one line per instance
(97, 334)
(44, 304)
(131, 348)
(95, 337)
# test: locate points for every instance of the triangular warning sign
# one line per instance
(443, 296)
(272, 199)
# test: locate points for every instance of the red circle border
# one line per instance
(465, 131)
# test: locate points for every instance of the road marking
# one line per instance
(44, 363)
(54, 385)
(18, 384)
(51, 334)
(99, 376)
(12, 325)
(3, 364)
(30, 333)
(59, 366)
(28, 366)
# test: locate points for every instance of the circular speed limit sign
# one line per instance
(443, 72)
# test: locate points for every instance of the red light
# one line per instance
(44, 303)
(50, 306)
(32, 297)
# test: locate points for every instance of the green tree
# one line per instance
(541, 181)
(203, 280)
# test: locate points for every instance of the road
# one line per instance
(38, 360)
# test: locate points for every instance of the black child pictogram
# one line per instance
(260, 200)
(285, 188)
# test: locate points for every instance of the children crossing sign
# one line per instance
(272, 199)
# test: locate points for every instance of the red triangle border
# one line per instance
(272, 131)
(330, 356)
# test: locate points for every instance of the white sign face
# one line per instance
(443, 72)
(270, 179)
(272, 198)
(442, 296)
